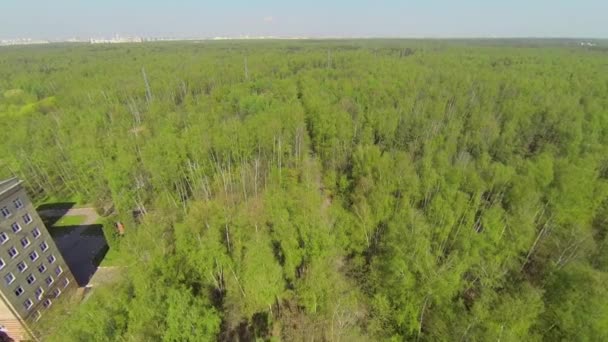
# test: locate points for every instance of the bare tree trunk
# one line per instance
(364, 225)
(569, 252)
(207, 188)
(148, 91)
(184, 90)
(279, 157)
(230, 183)
(134, 112)
(255, 182)
(228, 238)
(246, 69)
(422, 317)
(221, 171)
(244, 179)
(237, 281)
(540, 234)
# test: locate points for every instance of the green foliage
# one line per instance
(74, 220)
(577, 305)
(189, 319)
(339, 190)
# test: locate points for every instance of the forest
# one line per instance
(339, 190)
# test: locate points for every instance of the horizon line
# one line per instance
(291, 37)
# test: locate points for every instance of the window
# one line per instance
(57, 292)
(49, 280)
(19, 291)
(66, 282)
(44, 246)
(12, 252)
(36, 232)
(2, 264)
(41, 268)
(47, 303)
(16, 227)
(3, 238)
(25, 242)
(22, 266)
(37, 316)
(28, 304)
(58, 270)
(51, 259)
(27, 218)
(18, 203)
(5, 212)
(34, 256)
(9, 278)
(39, 292)
(30, 279)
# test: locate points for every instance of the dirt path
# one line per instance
(90, 214)
(106, 275)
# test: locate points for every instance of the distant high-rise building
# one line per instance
(32, 271)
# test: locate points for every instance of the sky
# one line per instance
(61, 19)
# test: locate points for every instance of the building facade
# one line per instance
(33, 273)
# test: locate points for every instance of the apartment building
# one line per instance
(33, 274)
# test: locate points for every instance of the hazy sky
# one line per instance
(320, 18)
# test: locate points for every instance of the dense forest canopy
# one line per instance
(326, 190)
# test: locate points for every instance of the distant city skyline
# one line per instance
(64, 19)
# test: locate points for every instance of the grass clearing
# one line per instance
(74, 220)
(112, 258)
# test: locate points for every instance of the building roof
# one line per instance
(8, 184)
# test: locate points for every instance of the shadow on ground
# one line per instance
(58, 210)
(82, 247)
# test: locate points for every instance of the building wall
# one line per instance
(7, 200)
